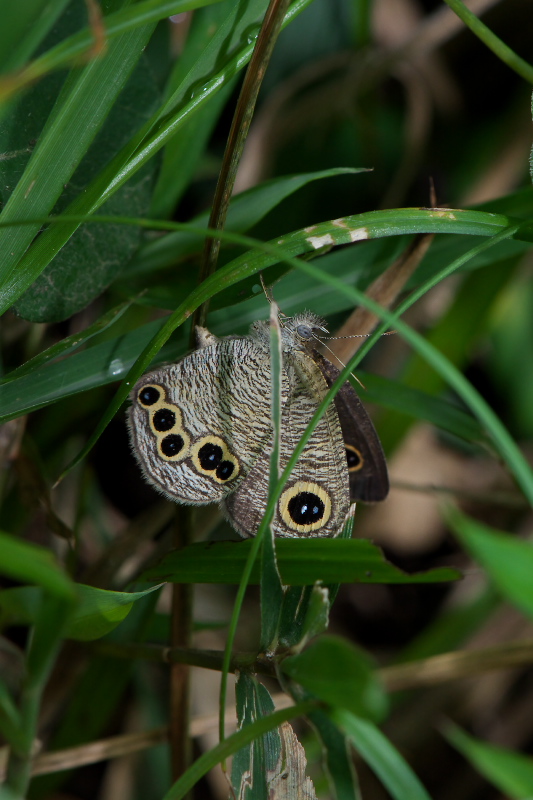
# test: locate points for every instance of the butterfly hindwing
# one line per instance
(315, 500)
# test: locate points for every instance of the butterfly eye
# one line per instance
(304, 332)
(166, 423)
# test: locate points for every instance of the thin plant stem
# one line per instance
(237, 137)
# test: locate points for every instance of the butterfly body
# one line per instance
(201, 430)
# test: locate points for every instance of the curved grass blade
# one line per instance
(72, 50)
(511, 772)
(246, 210)
(507, 560)
(380, 755)
(69, 344)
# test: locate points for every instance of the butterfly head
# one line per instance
(303, 330)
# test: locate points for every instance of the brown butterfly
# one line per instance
(201, 431)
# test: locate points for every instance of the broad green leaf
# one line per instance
(340, 674)
(94, 256)
(30, 563)
(508, 561)
(511, 772)
(97, 612)
(381, 756)
(300, 562)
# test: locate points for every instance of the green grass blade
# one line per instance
(502, 441)
(511, 772)
(338, 761)
(508, 561)
(82, 108)
(117, 23)
(70, 343)
(24, 26)
(381, 756)
(15, 277)
(493, 42)
(271, 588)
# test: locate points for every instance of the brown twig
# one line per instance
(400, 677)
(180, 637)
(237, 136)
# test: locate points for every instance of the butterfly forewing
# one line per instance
(367, 468)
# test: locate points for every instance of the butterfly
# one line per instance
(201, 431)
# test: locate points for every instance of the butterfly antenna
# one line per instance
(335, 356)
(358, 335)
(268, 292)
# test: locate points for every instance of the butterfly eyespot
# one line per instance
(225, 470)
(305, 507)
(172, 445)
(211, 456)
(354, 458)
(163, 419)
(149, 395)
